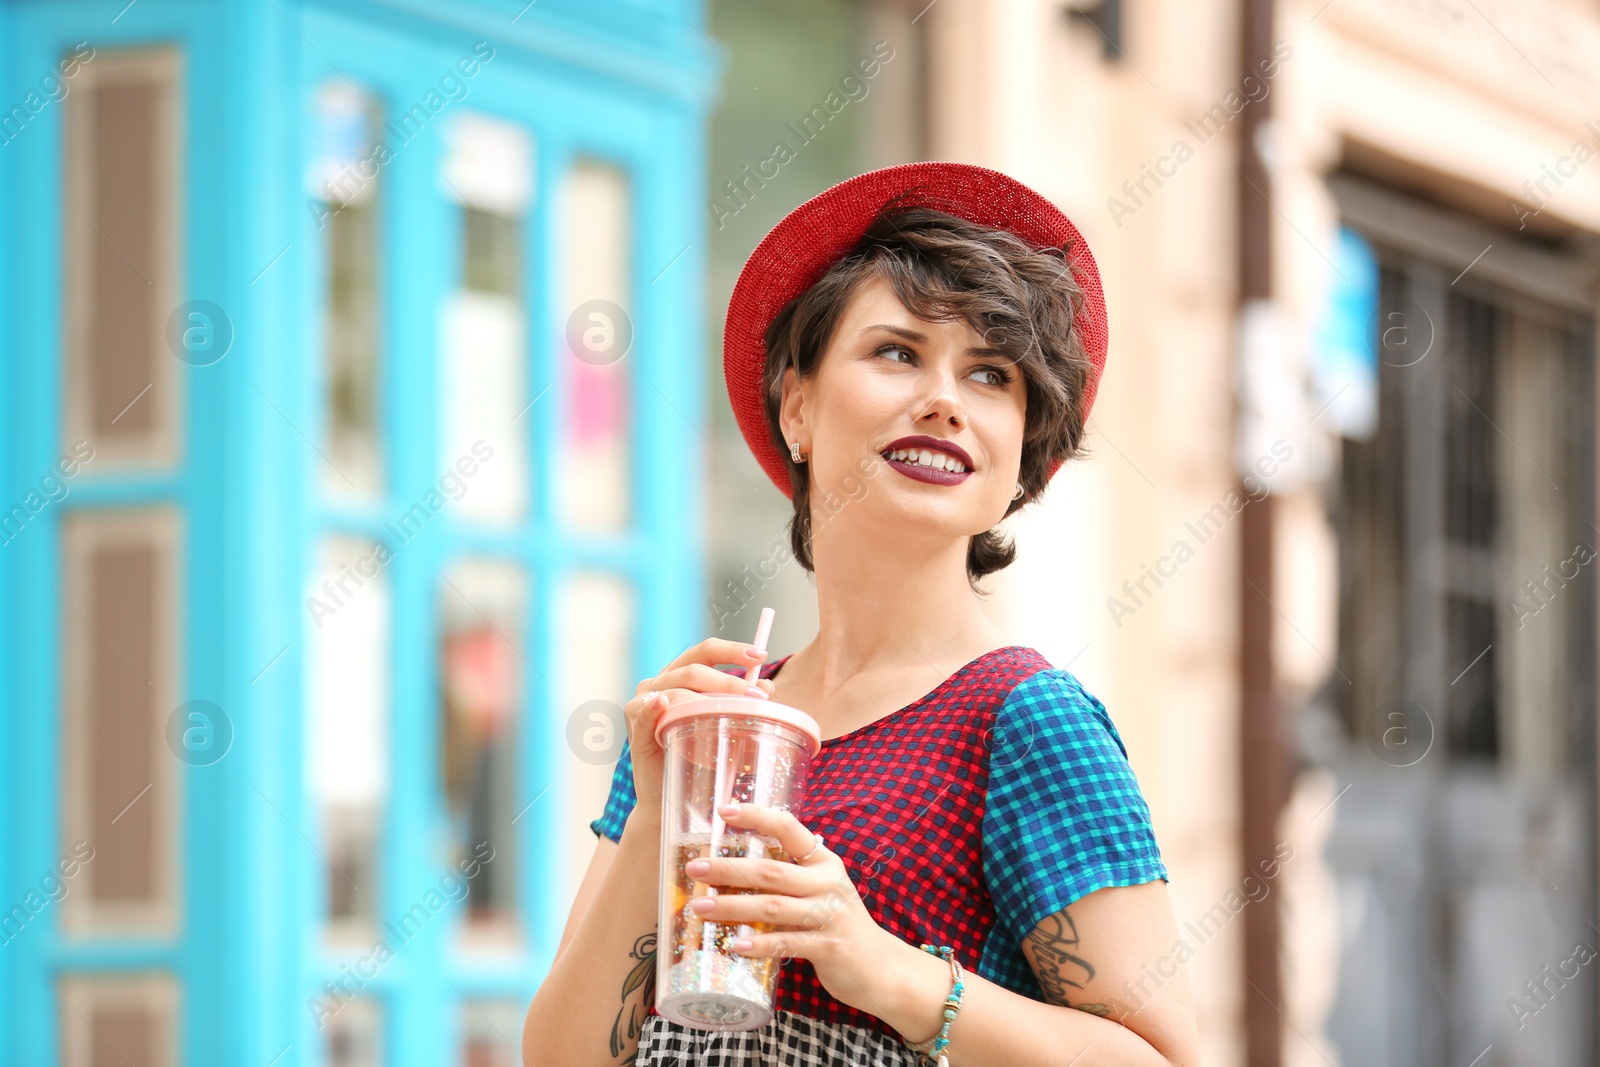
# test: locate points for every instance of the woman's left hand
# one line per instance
(812, 902)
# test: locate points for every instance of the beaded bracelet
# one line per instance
(935, 1046)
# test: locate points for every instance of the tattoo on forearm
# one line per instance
(630, 1017)
(1052, 947)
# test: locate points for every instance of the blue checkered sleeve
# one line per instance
(621, 800)
(1064, 816)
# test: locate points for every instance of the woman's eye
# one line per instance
(1002, 378)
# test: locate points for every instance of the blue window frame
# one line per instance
(624, 85)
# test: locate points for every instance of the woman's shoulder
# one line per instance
(988, 680)
(1046, 686)
(1026, 679)
(1053, 702)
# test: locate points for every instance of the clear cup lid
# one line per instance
(741, 707)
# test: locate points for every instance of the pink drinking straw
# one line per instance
(763, 631)
(721, 787)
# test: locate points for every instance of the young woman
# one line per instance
(911, 355)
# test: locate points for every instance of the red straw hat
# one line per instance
(812, 237)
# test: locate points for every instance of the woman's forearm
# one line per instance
(996, 1026)
(581, 1015)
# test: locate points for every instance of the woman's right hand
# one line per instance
(691, 674)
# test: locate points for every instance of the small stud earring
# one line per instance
(794, 452)
(1018, 494)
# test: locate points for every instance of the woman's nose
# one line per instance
(944, 408)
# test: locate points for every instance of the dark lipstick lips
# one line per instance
(932, 444)
(928, 474)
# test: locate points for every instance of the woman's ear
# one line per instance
(791, 418)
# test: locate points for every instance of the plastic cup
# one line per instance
(721, 749)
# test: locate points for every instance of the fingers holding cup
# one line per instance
(798, 843)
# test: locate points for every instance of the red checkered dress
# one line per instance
(963, 819)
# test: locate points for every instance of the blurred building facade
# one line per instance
(1419, 398)
(350, 359)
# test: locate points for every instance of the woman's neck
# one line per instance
(900, 607)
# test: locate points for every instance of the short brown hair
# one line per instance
(1023, 301)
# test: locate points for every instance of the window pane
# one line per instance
(595, 635)
(120, 220)
(1544, 403)
(117, 1021)
(599, 333)
(355, 1035)
(491, 1034)
(346, 176)
(482, 608)
(488, 172)
(119, 660)
(492, 251)
(1470, 511)
(348, 723)
(1470, 638)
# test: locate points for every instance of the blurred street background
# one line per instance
(364, 442)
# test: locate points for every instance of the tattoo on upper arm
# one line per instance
(1052, 949)
(630, 1016)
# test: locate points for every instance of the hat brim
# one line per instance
(815, 235)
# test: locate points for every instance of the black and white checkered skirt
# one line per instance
(788, 1040)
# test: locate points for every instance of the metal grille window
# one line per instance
(1458, 515)
(1464, 851)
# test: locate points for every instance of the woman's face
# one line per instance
(888, 374)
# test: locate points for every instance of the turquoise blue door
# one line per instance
(352, 397)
